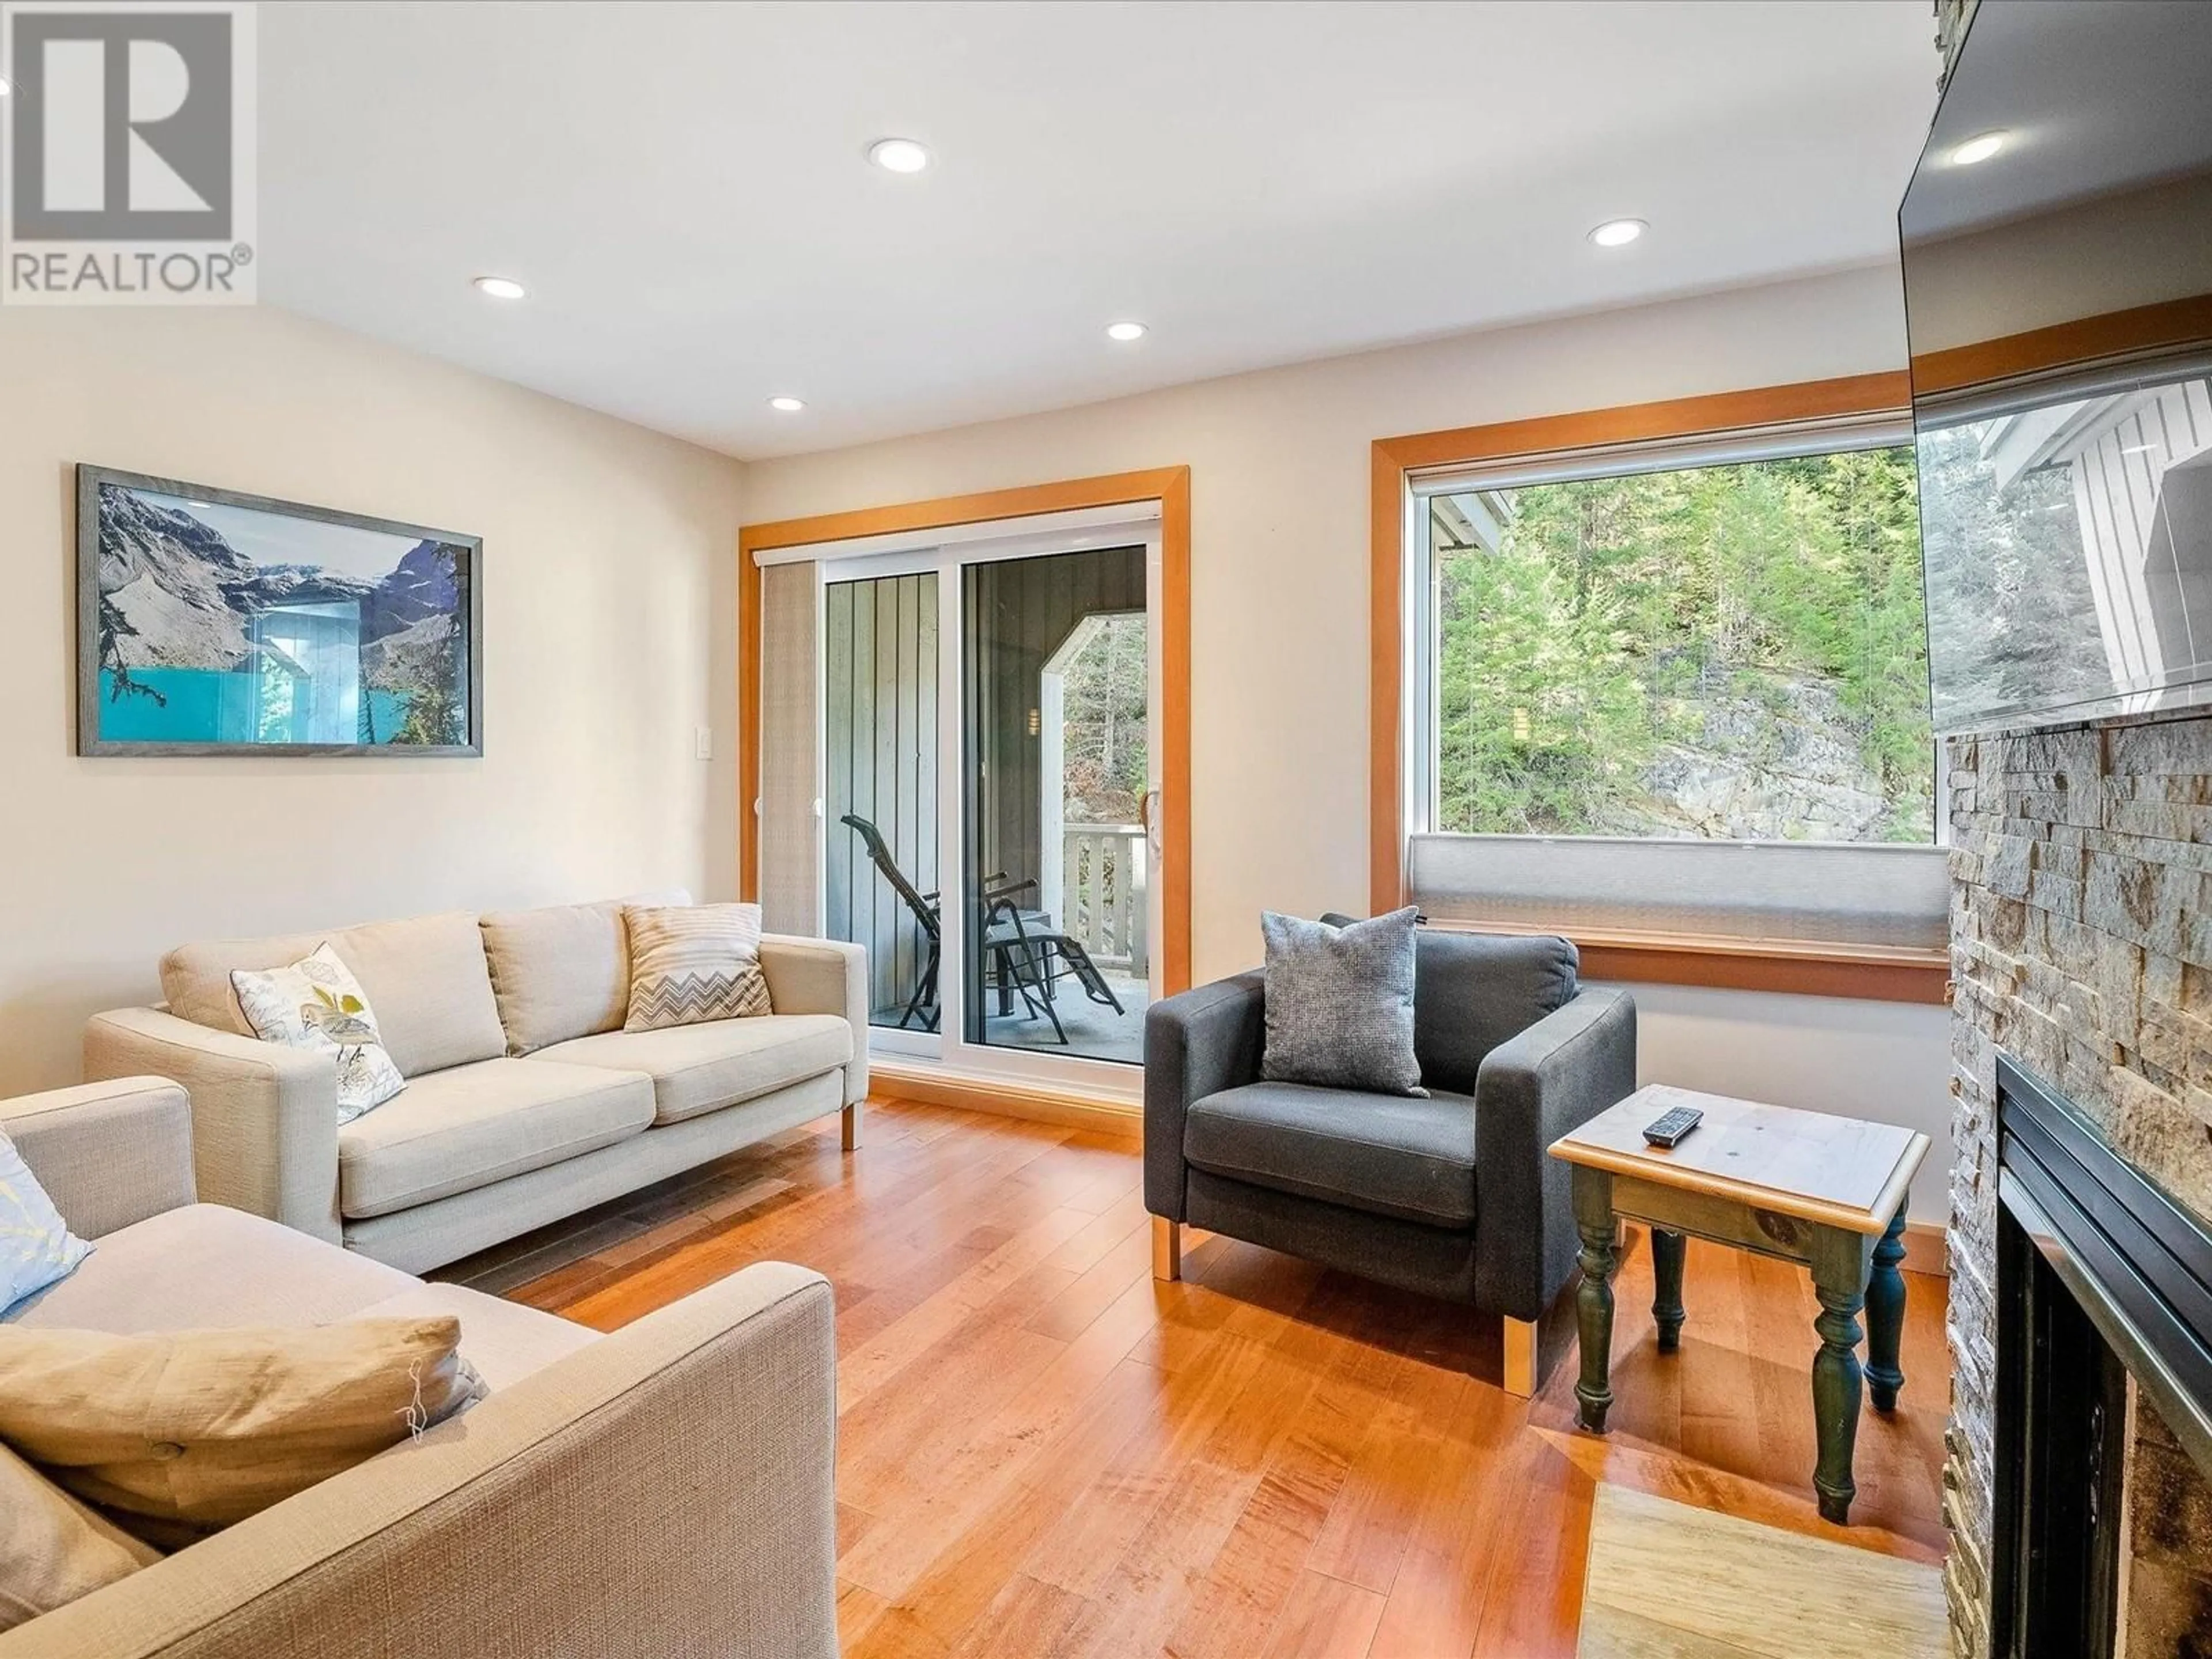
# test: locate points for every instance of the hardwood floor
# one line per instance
(1667, 1578)
(1043, 1451)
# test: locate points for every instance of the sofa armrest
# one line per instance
(1554, 1077)
(264, 1118)
(823, 976)
(665, 1490)
(1196, 1044)
(107, 1154)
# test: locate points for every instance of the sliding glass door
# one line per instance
(988, 767)
(1055, 695)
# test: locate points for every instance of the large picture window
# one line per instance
(1734, 650)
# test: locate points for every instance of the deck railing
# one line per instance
(1104, 871)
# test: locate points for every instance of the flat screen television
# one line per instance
(2057, 251)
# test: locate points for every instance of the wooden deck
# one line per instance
(1043, 1452)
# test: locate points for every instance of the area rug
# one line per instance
(1669, 1581)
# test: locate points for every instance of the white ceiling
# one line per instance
(684, 190)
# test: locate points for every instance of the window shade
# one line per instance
(1820, 893)
(790, 821)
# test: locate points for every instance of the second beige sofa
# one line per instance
(663, 1490)
(526, 1101)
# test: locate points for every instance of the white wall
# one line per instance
(608, 640)
(1886, 1061)
(1279, 551)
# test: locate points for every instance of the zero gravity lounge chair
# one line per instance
(1025, 951)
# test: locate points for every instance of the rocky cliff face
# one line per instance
(175, 594)
(422, 586)
(1784, 763)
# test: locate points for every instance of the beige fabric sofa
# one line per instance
(526, 1100)
(661, 1491)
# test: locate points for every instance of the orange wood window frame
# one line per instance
(1882, 974)
(2168, 325)
(1170, 487)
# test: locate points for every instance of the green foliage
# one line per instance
(2006, 570)
(1706, 614)
(426, 666)
(434, 716)
(1103, 723)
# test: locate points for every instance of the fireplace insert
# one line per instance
(2100, 1276)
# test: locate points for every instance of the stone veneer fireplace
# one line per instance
(2083, 952)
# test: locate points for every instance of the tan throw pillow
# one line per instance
(54, 1549)
(692, 963)
(205, 1428)
(316, 1002)
(562, 971)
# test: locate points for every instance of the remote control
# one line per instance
(1665, 1130)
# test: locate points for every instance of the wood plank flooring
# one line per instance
(1043, 1452)
(1667, 1579)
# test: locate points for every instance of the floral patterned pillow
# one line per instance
(316, 1002)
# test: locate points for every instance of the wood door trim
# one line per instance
(1170, 487)
(1814, 969)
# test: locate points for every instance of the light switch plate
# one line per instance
(704, 742)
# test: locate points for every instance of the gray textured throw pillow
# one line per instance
(1340, 1004)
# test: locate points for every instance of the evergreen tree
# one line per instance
(1693, 614)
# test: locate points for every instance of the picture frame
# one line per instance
(212, 622)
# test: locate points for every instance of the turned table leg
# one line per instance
(1666, 1253)
(1885, 1310)
(1594, 1219)
(1840, 1261)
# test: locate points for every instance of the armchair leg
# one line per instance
(850, 1129)
(1167, 1249)
(1520, 1338)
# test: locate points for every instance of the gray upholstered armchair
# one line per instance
(1451, 1196)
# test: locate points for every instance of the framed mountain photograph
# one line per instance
(210, 622)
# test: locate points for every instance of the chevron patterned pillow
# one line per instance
(693, 962)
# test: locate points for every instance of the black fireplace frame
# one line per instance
(2087, 1249)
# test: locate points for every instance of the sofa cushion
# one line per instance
(701, 1068)
(456, 1130)
(1395, 1155)
(180, 1271)
(503, 1341)
(53, 1548)
(1474, 991)
(562, 971)
(426, 978)
(200, 1429)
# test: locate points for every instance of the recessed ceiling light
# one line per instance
(1125, 330)
(500, 288)
(899, 154)
(1978, 149)
(788, 405)
(1618, 232)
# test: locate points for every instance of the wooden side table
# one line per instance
(1826, 1191)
